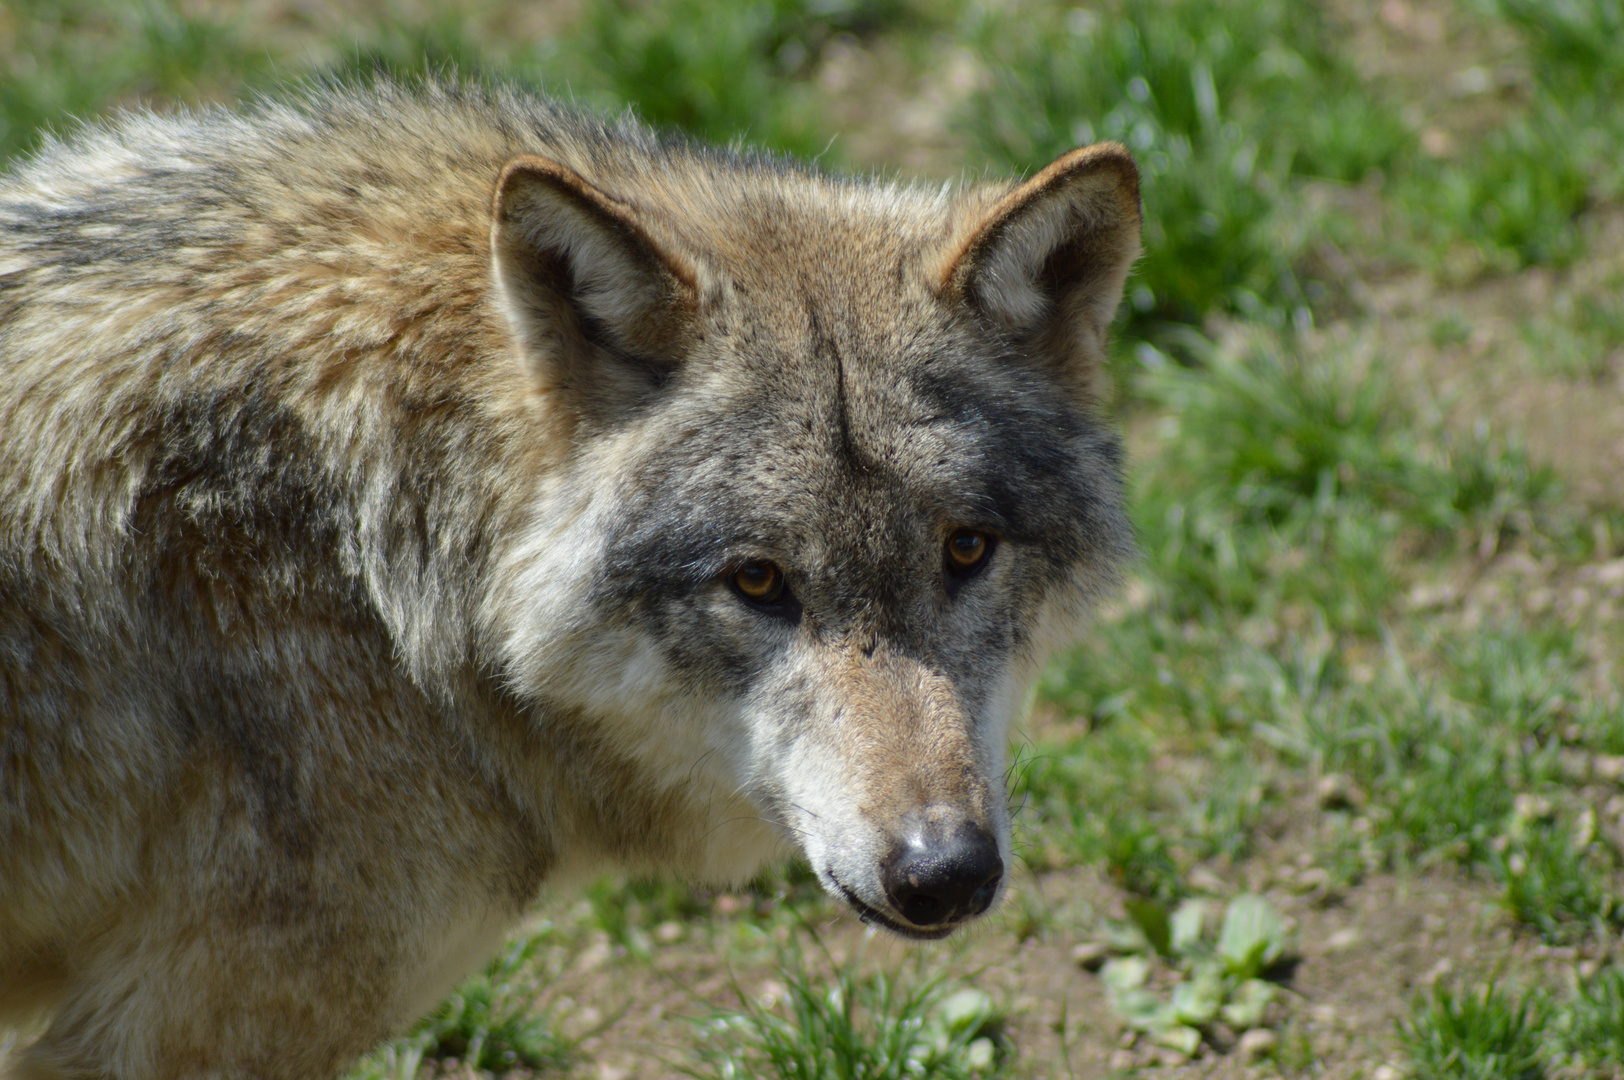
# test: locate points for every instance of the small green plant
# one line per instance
(1592, 1028)
(853, 1026)
(1557, 883)
(1481, 1033)
(1207, 979)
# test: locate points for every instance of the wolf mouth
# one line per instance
(870, 914)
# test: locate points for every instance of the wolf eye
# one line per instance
(759, 582)
(967, 551)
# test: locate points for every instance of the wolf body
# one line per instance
(414, 497)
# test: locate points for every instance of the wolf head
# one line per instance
(835, 489)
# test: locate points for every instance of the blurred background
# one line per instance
(1334, 789)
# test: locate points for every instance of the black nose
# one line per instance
(935, 879)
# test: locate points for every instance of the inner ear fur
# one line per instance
(597, 304)
(1048, 262)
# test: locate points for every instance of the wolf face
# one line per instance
(838, 491)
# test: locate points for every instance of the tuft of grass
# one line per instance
(1592, 1027)
(853, 1026)
(1482, 1033)
(1518, 198)
(1572, 43)
(1559, 885)
(1287, 478)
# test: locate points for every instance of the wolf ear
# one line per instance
(595, 301)
(1047, 263)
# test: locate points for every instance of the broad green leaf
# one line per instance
(965, 1010)
(1247, 1004)
(1253, 936)
(1186, 1040)
(1189, 918)
(1152, 921)
(1197, 1001)
(1124, 973)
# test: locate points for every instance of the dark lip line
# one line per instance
(871, 915)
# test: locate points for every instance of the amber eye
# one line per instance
(761, 582)
(967, 550)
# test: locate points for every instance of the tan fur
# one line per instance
(330, 433)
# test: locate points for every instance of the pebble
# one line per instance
(1312, 879)
(1386, 1072)
(1337, 792)
(1257, 1043)
(1090, 955)
(1342, 940)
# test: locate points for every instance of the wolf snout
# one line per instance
(935, 878)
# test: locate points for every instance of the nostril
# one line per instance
(934, 880)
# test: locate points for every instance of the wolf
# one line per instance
(414, 497)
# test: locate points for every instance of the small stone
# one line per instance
(1313, 879)
(1167, 1057)
(727, 904)
(1530, 807)
(1090, 955)
(1609, 767)
(1342, 940)
(1257, 1044)
(1386, 1072)
(594, 956)
(1123, 1060)
(669, 932)
(1337, 792)
(1205, 881)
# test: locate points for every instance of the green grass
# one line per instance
(1480, 1033)
(853, 1025)
(1592, 1028)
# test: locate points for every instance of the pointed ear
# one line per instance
(1047, 263)
(598, 306)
